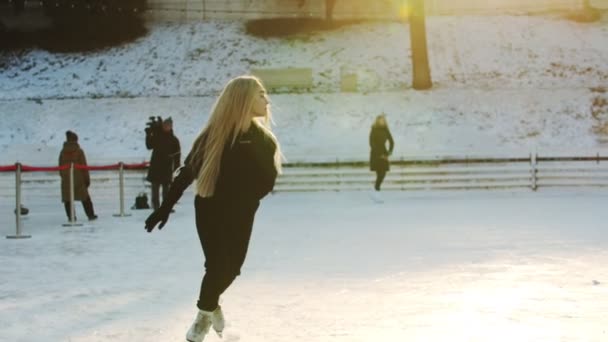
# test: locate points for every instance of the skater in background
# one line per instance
(378, 158)
(72, 153)
(233, 163)
(166, 154)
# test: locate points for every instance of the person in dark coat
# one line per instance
(166, 154)
(378, 157)
(234, 162)
(72, 153)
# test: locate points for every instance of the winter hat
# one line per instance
(168, 121)
(71, 136)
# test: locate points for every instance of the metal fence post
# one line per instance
(402, 172)
(533, 171)
(18, 206)
(339, 176)
(72, 218)
(121, 186)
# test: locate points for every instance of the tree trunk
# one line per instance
(420, 60)
(329, 9)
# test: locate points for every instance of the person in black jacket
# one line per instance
(233, 162)
(165, 158)
(378, 158)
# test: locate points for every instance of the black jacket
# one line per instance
(166, 156)
(378, 157)
(247, 171)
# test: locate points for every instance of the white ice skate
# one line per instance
(217, 321)
(200, 326)
(375, 195)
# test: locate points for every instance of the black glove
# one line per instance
(159, 215)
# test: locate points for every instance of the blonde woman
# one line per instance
(378, 159)
(233, 163)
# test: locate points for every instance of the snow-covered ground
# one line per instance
(196, 59)
(474, 266)
(323, 127)
(502, 83)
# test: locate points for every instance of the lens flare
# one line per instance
(404, 11)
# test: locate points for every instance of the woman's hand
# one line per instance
(159, 215)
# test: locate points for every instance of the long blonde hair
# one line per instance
(230, 115)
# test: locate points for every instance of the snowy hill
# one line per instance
(500, 83)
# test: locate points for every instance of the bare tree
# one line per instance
(329, 9)
(420, 60)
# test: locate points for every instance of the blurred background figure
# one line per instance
(378, 158)
(72, 153)
(165, 159)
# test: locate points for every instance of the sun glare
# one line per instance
(500, 315)
(404, 11)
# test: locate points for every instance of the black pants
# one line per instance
(379, 178)
(86, 204)
(224, 229)
(155, 193)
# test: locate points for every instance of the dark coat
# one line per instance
(166, 156)
(224, 221)
(72, 153)
(247, 171)
(378, 157)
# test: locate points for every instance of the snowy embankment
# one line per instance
(501, 83)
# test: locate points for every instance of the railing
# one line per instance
(441, 173)
(531, 172)
(18, 169)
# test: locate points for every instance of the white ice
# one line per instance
(434, 266)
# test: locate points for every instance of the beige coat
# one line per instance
(72, 153)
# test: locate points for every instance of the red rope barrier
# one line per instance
(112, 167)
(136, 166)
(44, 168)
(97, 168)
(8, 168)
(11, 168)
